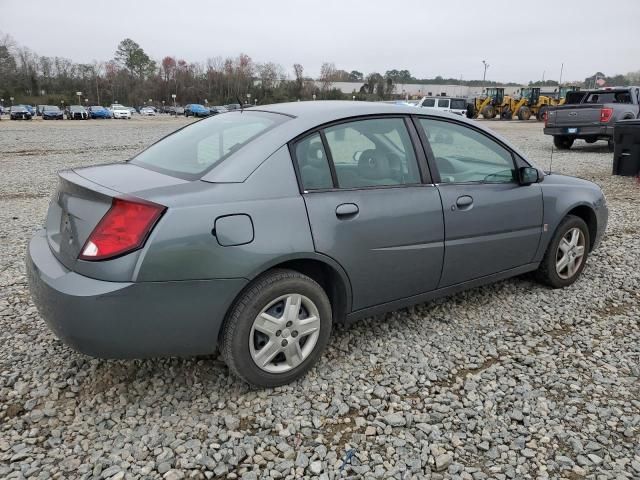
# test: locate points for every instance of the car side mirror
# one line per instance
(529, 175)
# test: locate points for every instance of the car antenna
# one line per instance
(240, 102)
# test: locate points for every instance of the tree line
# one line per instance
(132, 77)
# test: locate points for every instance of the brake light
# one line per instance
(123, 229)
(545, 115)
(605, 114)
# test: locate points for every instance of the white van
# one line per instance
(448, 104)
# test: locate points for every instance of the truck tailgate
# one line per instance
(574, 116)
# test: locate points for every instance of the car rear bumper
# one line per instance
(600, 131)
(127, 319)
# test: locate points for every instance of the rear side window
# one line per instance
(443, 103)
(429, 102)
(458, 104)
(192, 151)
(369, 153)
(608, 97)
(313, 164)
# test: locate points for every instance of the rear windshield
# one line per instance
(608, 97)
(458, 103)
(197, 148)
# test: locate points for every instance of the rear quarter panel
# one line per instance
(183, 247)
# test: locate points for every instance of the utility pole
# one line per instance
(561, 69)
(484, 75)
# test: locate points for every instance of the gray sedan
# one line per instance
(258, 230)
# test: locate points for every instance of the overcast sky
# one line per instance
(519, 39)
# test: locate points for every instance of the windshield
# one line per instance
(19, 108)
(97, 109)
(51, 108)
(195, 149)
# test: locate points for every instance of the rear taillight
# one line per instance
(123, 229)
(545, 115)
(605, 114)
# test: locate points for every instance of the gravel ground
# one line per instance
(509, 381)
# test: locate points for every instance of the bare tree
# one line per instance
(327, 75)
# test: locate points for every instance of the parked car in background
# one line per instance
(19, 112)
(77, 112)
(132, 110)
(232, 106)
(217, 109)
(32, 110)
(593, 118)
(120, 111)
(176, 111)
(196, 110)
(446, 104)
(52, 112)
(39, 110)
(97, 111)
(260, 230)
(148, 111)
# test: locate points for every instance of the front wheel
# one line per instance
(566, 254)
(277, 329)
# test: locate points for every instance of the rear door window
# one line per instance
(313, 165)
(443, 103)
(370, 153)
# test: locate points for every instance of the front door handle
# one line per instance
(464, 202)
(346, 210)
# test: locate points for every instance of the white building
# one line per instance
(422, 90)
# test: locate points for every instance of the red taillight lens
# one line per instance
(605, 114)
(123, 229)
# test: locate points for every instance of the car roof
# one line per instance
(305, 116)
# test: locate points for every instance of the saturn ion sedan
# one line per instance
(258, 230)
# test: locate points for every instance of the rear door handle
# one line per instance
(464, 201)
(346, 210)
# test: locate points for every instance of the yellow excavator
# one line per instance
(490, 104)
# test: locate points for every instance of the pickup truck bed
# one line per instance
(592, 120)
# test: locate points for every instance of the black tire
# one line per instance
(235, 333)
(488, 112)
(591, 139)
(506, 114)
(546, 272)
(524, 113)
(542, 113)
(563, 142)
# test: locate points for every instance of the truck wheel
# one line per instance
(542, 114)
(488, 112)
(524, 113)
(591, 139)
(506, 114)
(562, 142)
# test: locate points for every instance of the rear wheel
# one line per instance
(277, 329)
(566, 254)
(524, 113)
(562, 142)
(591, 139)
(506, 114)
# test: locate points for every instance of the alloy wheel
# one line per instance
(284, 333)
(570, 253)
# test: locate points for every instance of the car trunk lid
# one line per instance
(85, 195)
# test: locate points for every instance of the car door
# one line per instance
(492, 223)
(369, 210)
(444, 104)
